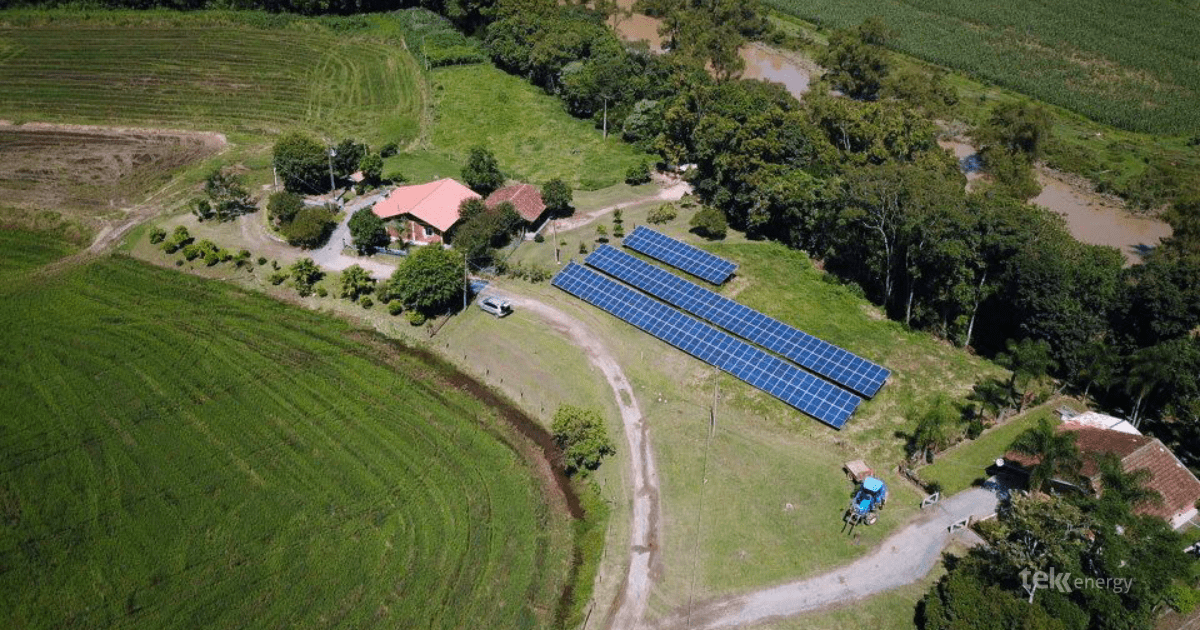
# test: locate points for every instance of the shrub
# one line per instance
(179, 239)
(311, 227)
(532, 272)
(282, 207)
(538, 238)
(366, 302)
(638, 174)
(1182, 598)
(322, 292)
(557, 196)
(305, 274)
(618, 230)
(157, 235)
(178, 263)
(367, 231)
(262, 260)
(662, 214)
(278, 277)
(710, 223)
(582, 248)
(583, 438)
(416, 318)
(356, 282)
(974, 428)
(389, 149)
(395, 308)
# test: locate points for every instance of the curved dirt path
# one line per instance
(629, 608)
(903, 558)
(672, 189)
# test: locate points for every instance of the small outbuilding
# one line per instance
(528, 201)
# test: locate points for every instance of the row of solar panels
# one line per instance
(814, 396)
(679, 255)
(818, 356)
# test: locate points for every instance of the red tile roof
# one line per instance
(435, 203)
(527, 199)
(1179, 488)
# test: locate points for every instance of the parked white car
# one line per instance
(496, 306)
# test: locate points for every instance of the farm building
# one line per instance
(1176, 484)
(424, 213)
(528, 201)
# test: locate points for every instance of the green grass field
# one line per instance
(210, 71)
(182, 453)
(1134, 66)
(533, 138)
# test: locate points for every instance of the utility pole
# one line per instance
(466, 283)
(275, 174)
(332, 153)
(554, 226)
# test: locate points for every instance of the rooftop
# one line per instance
(435, 203)
(526, 197)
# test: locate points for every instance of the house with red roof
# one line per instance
(1178, 487)
(423, 213)
(528, 201)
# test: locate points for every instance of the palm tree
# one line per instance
(1124, 489)
(1150, 368)
(1058, 457)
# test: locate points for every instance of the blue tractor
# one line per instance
(866, 501)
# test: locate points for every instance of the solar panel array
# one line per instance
(680, 255)
(822, 400)
(821, 357)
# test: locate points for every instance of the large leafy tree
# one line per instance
(348, 154)
(429, 280)
(856, 60)
(482, 172)
(367, 230)
(301, 163)
(557, 196)
(1027, 360)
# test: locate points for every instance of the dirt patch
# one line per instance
(93, 173)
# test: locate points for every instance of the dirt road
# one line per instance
(903, 558)
(672, 190)
(629, 608)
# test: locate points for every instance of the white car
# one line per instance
(496, 306)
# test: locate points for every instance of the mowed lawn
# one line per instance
(179, 453)
(209, 71)
(1131, 65)
(533, 137)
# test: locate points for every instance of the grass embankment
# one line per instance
(182, 453)
(220, 71)
(1131, 66)
(762, 502)
(533, 138)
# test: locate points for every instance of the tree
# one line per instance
(482, 173)
(662, 214)
(1017, 126)
(1028, 361)
(709, 222)
(305, 273)
(637, 174)
(557, 196)
(856, 60)
(583, 438)
(356, 281)
(311, 227)
(937, 428)
(1058, 457)
(371, 166)
(302, 164)
(283, 207)
(1122, 491)
(429, 280)
(348, 154)
(367, 231)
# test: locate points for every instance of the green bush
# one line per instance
(157, 235)
(538, 238)
(710, 223)
(583, 438)
(262, 260)
(322, 292)
(389, 149)
(278, 277)
(283, 207)
(180, 238)
(366, 302)
(416, 318)
(1182, 598)
(662, 214)
(638, 174)
(311, 227)
(395, 307)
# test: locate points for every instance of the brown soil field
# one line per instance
(92, 173)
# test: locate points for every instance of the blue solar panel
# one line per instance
(680, 255)
(822, 400)
(821, 357)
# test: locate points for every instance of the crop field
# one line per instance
(1131, 65)
(205, 72)
(91, 169)
(177, 452)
